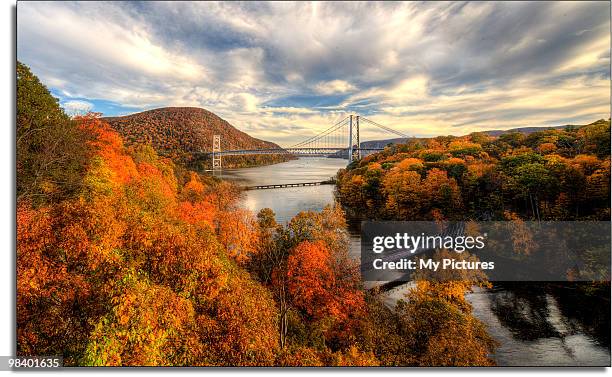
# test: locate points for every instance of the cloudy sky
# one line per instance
(284, 71)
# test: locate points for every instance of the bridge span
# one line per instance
(342, 139)
(313, 152)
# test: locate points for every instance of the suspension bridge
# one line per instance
(341, 139)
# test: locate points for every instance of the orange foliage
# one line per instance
(131, 272)
(48, 286)
(318, 286)
(587, 163)
(547, 148)
(108, 145)
(238, 232)
(200, 213)
(410, 164)
(194, 189)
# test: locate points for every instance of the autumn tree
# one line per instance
(318, 286)
(438, 333)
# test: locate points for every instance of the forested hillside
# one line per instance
(555, 174)
(178, 132)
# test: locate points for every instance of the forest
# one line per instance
(549, 175)
(546, 175)
(126, 258)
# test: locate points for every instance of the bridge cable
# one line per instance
(320, 135)
(385, 128)
(327, 131)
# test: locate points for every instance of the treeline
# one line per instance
(201, 163)
(126, 258)
(547, 175)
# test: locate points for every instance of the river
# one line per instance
(535, 327)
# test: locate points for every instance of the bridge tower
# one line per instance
(353, 139)
(216, 158)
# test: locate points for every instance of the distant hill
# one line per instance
(495, 133)
(382, 143)
(370, 144)
(525, 130)
(177, 132)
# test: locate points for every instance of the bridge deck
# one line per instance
(285, 185)
(294, 151)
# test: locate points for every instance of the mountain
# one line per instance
(177, 132)
(182, 129)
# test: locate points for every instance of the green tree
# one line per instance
(51, 149)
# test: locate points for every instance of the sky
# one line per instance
(286, 71)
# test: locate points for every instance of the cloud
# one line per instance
(76, 107)
(272, 69)
(334, 86)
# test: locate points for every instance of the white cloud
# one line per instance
(75, 107)
(334, 86)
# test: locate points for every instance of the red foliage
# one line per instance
(319, 286)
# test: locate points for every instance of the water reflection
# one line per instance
(534, 328)
(587, 313)
(525, 313)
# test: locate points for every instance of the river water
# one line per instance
(535, 327)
